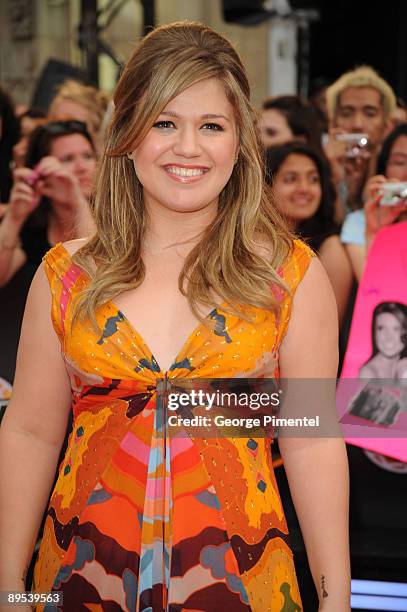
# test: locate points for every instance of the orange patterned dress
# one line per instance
(144, 522)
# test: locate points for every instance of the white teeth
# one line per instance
(184, 171)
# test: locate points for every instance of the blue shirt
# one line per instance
(354, 227)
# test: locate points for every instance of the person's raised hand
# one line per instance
(378, 216)
(57, 183)
(355, 167)
(23, 197)
(335, 150)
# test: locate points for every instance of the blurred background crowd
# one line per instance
(335, 155)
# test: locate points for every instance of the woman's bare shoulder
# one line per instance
(74, 245)
(368, 370)
(332, 243)
(264, 246)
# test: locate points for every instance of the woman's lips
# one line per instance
(302, 201)
(185, 174)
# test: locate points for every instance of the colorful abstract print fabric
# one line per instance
(140, 521)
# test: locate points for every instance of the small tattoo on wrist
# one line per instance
(324, 591)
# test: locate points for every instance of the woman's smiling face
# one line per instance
(388, 334)
(297, 188)
(188, 156)
(396, 167)
(75, 152)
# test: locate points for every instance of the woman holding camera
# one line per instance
(191, 275)
(49, 202)
(361, 226)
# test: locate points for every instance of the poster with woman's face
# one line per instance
(372, 392)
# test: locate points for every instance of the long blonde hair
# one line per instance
(230, 260)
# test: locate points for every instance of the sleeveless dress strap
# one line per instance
(65, 279)
(292, 273)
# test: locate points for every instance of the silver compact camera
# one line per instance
(356, 143)
(393, 193)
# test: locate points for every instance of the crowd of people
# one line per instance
(334, 203)
(327, 161)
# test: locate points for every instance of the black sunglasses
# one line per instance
(61, 127)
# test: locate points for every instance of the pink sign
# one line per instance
(372, 392)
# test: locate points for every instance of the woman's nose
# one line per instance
(303, 185)
(80, 166)
(388, 335)
(187, 142)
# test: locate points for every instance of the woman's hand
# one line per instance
(378, 216)
(57, 183)
(23, 198)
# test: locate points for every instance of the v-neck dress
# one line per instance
(143, 521)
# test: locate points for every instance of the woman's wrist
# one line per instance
(334, 591)
(13, 219)
(338, 602)
(370, 235)
(10, 232)
(7, 244)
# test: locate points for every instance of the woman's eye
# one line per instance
(163, 125)
(215, 127)
(345, 113)
(397, 162)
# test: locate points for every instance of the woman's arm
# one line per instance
(31, 435)
(12, 256)
(23, 200)
(338, 267)
(377, 217)
(316, 468)
(357, 256)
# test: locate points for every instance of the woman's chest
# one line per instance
(162, 317)
(147, 336)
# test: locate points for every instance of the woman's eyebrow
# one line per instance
(205, 116)
(398, 153)
(212, 116)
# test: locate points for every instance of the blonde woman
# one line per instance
(74, 100)
(191, 274)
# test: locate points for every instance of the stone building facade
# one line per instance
(31, 31)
